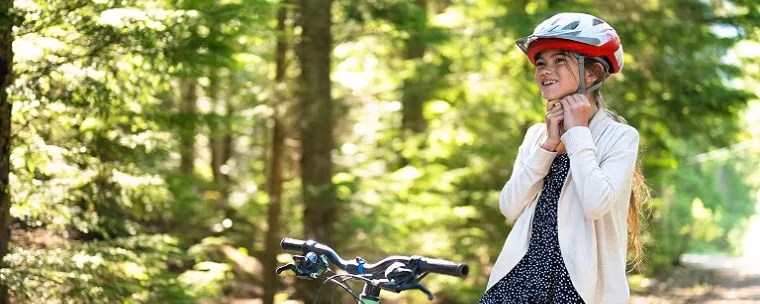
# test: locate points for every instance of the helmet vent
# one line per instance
(597, 21)
(571, 26)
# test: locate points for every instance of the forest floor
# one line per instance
(704, 279)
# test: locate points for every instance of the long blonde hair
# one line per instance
(640, 191)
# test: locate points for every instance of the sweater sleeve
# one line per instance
(600, 185)
(531, 166)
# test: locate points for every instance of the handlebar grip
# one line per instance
(292, 244)
(445, 267)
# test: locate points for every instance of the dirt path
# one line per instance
(706, 279)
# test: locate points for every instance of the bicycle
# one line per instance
(394, 273)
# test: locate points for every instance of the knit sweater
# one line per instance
(593, 205)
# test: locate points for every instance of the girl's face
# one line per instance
(556, 74)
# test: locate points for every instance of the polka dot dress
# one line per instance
(540, 276)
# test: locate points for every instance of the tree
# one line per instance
(414, 92)
(320, 212)
(187, 110)
(94, 137)
(276, 158)
(6, 75)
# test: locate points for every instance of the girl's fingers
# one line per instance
(580, 98)
(572, 100)
(553, 115)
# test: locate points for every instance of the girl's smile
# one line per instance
(555, 76)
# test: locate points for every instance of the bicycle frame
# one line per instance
(370, 294)
(368, 301)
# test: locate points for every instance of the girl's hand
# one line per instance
(554, 117)
(577, 109)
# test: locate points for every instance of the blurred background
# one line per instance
(160, 149)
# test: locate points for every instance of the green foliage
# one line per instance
(130, 270)
(706, 211)
(95, 136)
(97, 130)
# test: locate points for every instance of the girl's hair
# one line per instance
(640, 191)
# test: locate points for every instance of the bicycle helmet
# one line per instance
(586, 36)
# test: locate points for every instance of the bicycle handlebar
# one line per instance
(425, 264)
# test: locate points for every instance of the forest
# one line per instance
(157, 151)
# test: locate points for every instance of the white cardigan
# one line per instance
(593, 205)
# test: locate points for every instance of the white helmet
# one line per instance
(583, 34)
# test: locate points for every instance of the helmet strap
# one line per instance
(582, 82)
(581, 67)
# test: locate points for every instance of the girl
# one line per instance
(572, 187)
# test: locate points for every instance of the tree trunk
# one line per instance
(216, 134)
(228, 139)
(275, 209)
(317, 121)
(6, 74)
(316, 127)
(187, 134)
(414, 89)
(276, 159)
(413, 99)
(220, 139)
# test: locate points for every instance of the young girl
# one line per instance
(572, 187)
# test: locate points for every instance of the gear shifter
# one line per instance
(310, 266)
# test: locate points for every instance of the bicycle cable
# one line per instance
(348, 277)
(335, 288)
(342, 285)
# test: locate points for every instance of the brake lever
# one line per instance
(397, 288)
(300, 272)
(400, 277)
(310, 266)
(419, 287)
(286, 267)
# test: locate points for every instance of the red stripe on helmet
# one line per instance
(606, 50)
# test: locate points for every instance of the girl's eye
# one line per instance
(540, 63)
(559, 59)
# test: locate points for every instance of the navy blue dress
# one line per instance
(540, 276)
